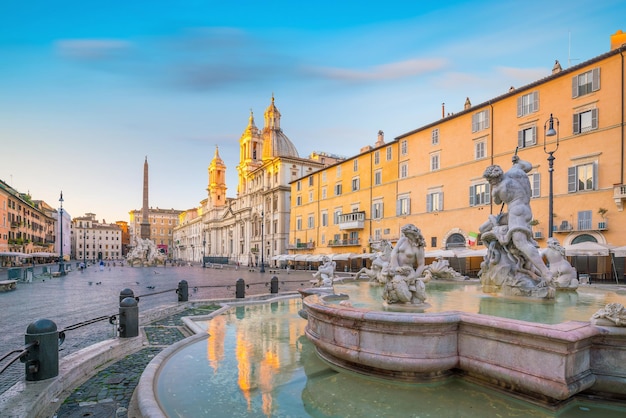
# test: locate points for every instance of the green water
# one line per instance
(257, 363)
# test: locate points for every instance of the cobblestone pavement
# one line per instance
(78, 297)
(108, 394)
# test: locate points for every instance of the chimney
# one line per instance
(381, 139)
(618, 39)
(468, 104)
(443, 110)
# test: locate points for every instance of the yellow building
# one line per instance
(433, 176)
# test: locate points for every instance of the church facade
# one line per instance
(253, 226)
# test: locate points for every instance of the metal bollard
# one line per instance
(274, 285)
(183, 291)
(240, 289)
(42, 360)
(129, 318)
(126, 293)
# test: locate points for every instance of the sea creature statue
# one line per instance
(401, 277)
(513, 265)
(563, 274)
(440, 270)
(379, 263)
(613, 314)
(325, 273)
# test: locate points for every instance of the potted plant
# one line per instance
(602, 212)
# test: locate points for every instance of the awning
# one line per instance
(587, 248)
(342, 256)
(11, 254)
(440, 253)
(471, 253)
(619, 251)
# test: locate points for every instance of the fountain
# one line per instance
(407, 342)
(145, 254)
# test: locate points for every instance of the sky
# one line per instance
(88, 90)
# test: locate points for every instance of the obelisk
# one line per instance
(145, 222)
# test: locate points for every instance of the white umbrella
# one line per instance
(440, 253)
(587, 248)
(342, 256)
(619, 251)
(472, 253)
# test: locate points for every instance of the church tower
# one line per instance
(275, 142)
(217, 181)
(250, 149)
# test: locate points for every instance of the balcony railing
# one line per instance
(301, 246)
(344, 242)
(352, 220)
(583, 225)
(619, 195)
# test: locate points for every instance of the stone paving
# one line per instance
(109, 393)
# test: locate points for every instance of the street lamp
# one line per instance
(262, 239)
(548, 130)
(61, 265)
(203, 246)
(84, 247)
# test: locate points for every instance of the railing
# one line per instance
(582, 225)
(301, 246)
(344, 242)
(352, 220)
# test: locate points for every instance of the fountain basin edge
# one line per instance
(548, 363)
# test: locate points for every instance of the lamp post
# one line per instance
(549, 130)
(61, 265)
(84, 248)
(262, 239)
(203, 246)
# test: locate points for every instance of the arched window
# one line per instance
(584, 238)
(455, 241)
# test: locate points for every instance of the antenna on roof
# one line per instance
(569, 50)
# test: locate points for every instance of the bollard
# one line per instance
(42, 360)
(183, 291)
(240, 289)
(274, 285)
(126, 293)
(129, 318)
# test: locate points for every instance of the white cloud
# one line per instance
(391, 71)
(92, 49)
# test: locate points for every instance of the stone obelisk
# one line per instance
(145, 222)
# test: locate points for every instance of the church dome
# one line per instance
(275, 142)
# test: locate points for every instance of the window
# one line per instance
(434, 162)
(389, 155)
(404, 170)
(403, 206)
(323, 192)
(311, 181)
(586, 83)
(377, 210)
(582, 177)
(377, 157)
(355, 165)
(298, 185)
(336, 216)
(479, 150)
(338, 189)
(480, 121)
(377, 235)
(311, 222)
(355, 184)
(298, 200)
(585, 121)
(325, 218)
(584, 220)
(528, 103)
(527, 137)
(299, 224)
(434, 136)
(378, 177)
(310, 197)
(404, 147)
(434, 202)
(535, 182)
(479, 194)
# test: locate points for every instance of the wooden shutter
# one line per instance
(575, 86)
(595, 79)
(571, 179)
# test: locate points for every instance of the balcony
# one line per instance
(587, 225)
(352, 220)
(619, 195)
(354, 242)
(301, 246)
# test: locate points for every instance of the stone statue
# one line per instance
(440, 270)
(401, 277)
(325, 273)
(145, 253)
(379, 263)
(563, 274)
(513, 264)
(612, 314)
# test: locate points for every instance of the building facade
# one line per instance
(254, 226)
(93, 241)
(433, 176)
(26, 226)
(162, 224)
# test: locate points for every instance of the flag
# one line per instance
(473, 236)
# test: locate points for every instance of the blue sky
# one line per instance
(88, 89)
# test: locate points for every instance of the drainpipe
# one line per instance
(493, 120)
(622, 155)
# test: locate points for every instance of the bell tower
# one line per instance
(217, 180)
(250, 150)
